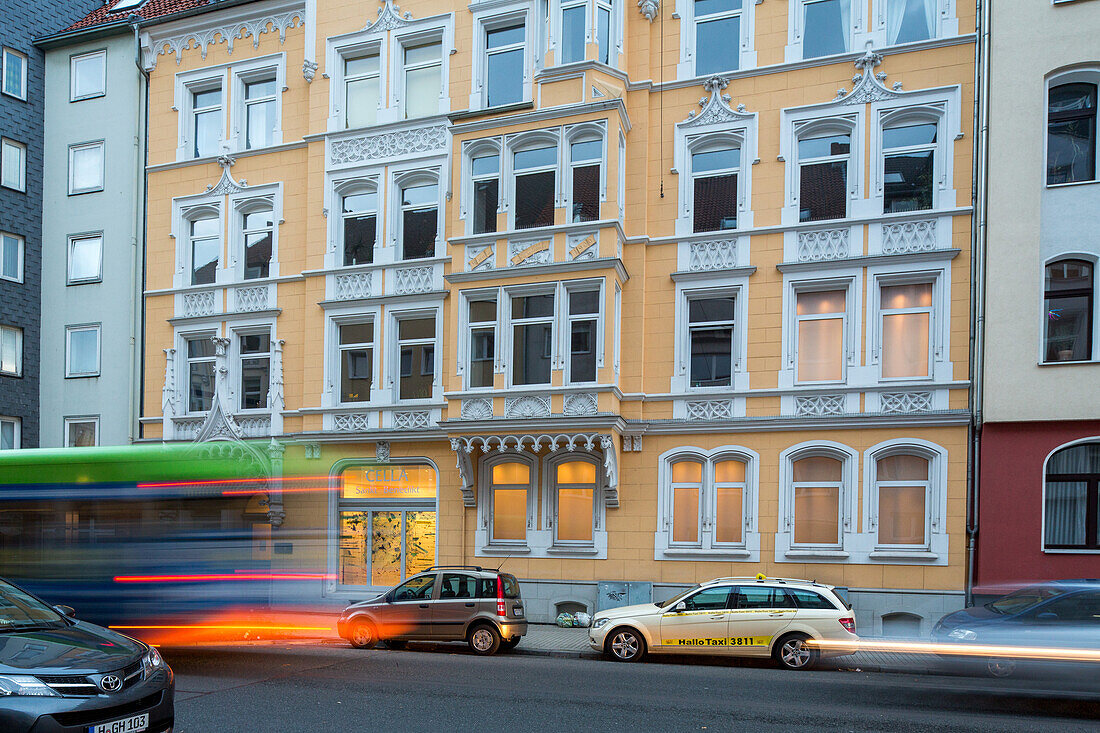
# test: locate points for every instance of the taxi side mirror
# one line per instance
(681, 606)
(65, 610)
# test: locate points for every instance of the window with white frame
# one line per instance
(358, 226)
(908, 167)
(82, 351)
(826, 27)
(534, 186)
(13, 164)
(362, 89)
(85, 258)
(817, 490)
(908, 21)
(81, 432)
(11, 257)
(820, 317)
(257, 236)
(10, 429)
(260, 112)
(254, 351)
(1071, 132)
(902, 488)
(419, 220)
(717, 35)
(423, 76)
(1071, 498)
(574, 30)
(485, 177)
(11, 351)
(207, 123)
(505, 65)
(574, 498)
(710, 339)
(823, 162)
(714, 169)
(200, 373)
(510, 484)
(583, 317)
(356, 342)
(581, 20)
(532, 338)
(15, 74)
(585, 160)
(87, 75)
(86, 167)
(416, 355)
(905, 314)
(205, 248)
(482, 321)
(706, 500)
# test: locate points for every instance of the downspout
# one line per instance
(137, 255)
(980, 189)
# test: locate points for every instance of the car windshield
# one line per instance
(1023, 599)
(675, 599)
(19, 610)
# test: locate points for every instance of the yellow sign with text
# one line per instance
(730, 641)
(389, 482)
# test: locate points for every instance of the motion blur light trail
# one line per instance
(234, 576)
(233, 625)
(966, 650)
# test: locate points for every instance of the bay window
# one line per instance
(504, 64)
(909, 171)
(416, 353)
(1071, 493)
(826, 27)
(532, 338)
(485, 174)
(258, 235)
(259, 113)
(910, 20)
(573, 30)
(483, 321)
(710, 335)
(255, 371)
(902, 488)
(1071, 133)
(714, 181)
(584, 310)
(535, 184)
(200, 374)
(423, 69)
(1068, 300)
(511, 481)
(574, 501)
(823, 176)
(603, 31)
(820, 328)
(717, 36)
(205, 248)
(585, 159)
(359, 227)
(419, 220)
(356, 342)
(817, 483)
(906, 318)
(361, 90)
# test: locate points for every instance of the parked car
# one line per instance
(59, 674)
(444, 603)
(1058, 615)
(743, 617)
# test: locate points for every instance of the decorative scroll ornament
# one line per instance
(227, 34)
(649, 9)
(869, 85)
(395, 144)
(389, 18)
(226, 185)
(168, 395)
(716, 107)
(309, 70)
(219, 421)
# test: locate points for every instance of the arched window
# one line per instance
(715, 164)
(902, 486)
(484, 192)
(818, 487)
(510, 483)
(687, 500)
(204, 246)
(705, 500)
(824, 161)
(1070, 509)
(586, 155)
(358, 224)
(419, 212)
(574, 499)
(1067, 295)
(534, 181)
(1071, 133)
(909, 165)
(257, 230)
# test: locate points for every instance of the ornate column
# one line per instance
(169, 395)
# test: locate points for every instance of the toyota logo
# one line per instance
(110, 683)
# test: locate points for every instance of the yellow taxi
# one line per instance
(743, 617)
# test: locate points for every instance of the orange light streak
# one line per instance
(228, 627)
(963, 650)
(284, 490)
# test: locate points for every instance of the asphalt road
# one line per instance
(318, 688)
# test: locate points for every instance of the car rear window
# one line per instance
(487, 587)
(511, 585)
(810, 599)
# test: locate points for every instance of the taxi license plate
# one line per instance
(126, 725)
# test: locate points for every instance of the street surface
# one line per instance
(320, 687)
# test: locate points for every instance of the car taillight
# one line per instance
(849, 624)
(501, 610)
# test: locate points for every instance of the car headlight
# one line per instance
(600, 622)
(151, 662)
(25, 686)
(962, 635)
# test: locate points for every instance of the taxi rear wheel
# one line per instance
(626, 645)
(791, 652)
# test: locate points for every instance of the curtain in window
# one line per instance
(510, 501)
(910, 20)
(817, 507)
(1083, 458)
(1066, 507)
(687, 480)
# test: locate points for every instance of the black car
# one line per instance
(1060, 617)
(60, 674)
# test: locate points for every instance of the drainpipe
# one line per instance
(136, 396)
(980, 188)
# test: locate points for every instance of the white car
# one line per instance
(744, 617)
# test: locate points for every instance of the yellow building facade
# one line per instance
(623, 295)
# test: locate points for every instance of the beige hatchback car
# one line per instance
(743, 617)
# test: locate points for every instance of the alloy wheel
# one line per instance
(625, 645)
(482, 640)
(795, 653)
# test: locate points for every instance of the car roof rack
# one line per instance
(781, 581)
(478, 568)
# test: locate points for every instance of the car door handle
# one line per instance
(469, 605)
(423, 605)
(721, 615)
(776, 615)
